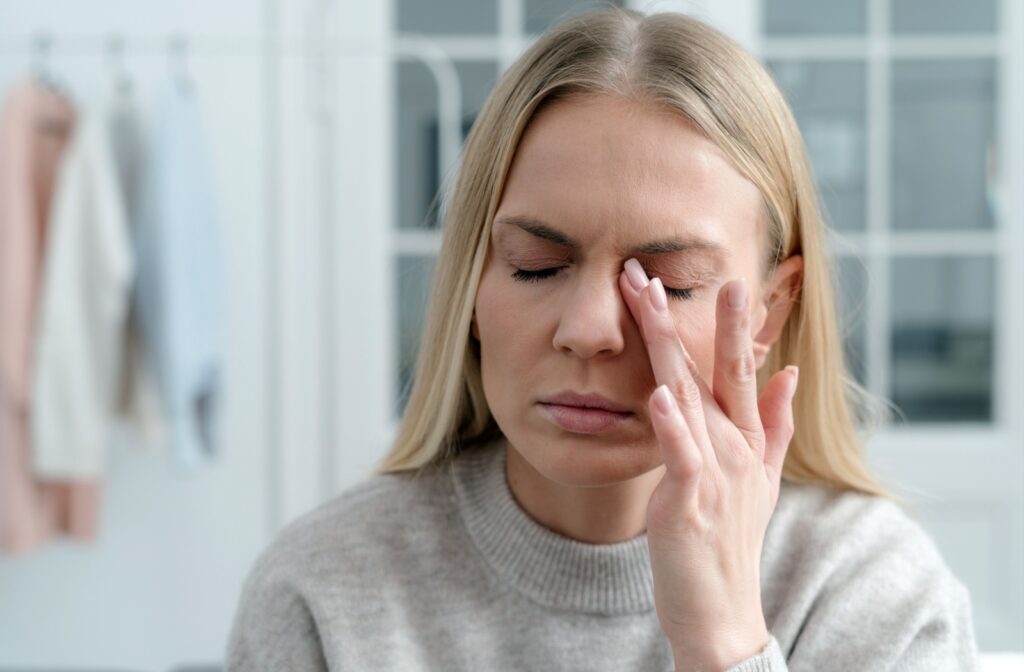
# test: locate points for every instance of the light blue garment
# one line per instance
(180, 284)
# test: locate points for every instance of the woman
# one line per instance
(634, 229)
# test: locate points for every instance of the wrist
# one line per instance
(719, 652)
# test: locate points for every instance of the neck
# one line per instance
(593, 514)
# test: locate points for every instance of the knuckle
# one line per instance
(664, 331)
(756, 439)
(674, 435)
(741, 371)
(692, 466)
(698, 523)
(740, 324)
(687, 392)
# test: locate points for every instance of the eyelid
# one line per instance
(542, 274)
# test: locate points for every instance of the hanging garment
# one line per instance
(179, 283)
(80, 342)
(34, 127)
(139, 404)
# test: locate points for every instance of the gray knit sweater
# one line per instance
(445, 571)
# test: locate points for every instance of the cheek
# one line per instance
(511, 338)
(510, 346)
(496, 308)
(697, 332)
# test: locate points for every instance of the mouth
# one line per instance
(583, 420)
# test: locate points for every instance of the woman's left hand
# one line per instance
(723, 453)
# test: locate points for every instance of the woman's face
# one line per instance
(605, 177)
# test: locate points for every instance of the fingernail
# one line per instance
(635, 273)
(737, 293)
(794, 374)
(663, 400)
(658, 297)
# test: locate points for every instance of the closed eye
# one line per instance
(536, 276)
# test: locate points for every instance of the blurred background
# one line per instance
(328, 129)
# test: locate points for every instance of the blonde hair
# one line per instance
(680, 63)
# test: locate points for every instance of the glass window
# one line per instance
(943, 16)
(414, 275)
(811, 17)
(447, 17)
(943, 125)
(827, 99)
(539, 14)
(418, 174)
(942, 317)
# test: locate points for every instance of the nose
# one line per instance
(594, 318)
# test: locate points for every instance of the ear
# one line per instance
(780, 294)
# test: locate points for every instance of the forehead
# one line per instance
(622, 172)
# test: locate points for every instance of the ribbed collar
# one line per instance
(549, 568)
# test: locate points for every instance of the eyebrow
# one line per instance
(663, 246)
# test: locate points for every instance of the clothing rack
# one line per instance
(321, 54)
(49, 42)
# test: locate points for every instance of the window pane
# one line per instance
(943, 123)
(417, 172)
(828, 100)
(414, 276)
(852, 306)
(803, 17)
(943, 16)
(942, 320)
(542, 13)
(449, 17)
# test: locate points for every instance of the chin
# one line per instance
(585, 459)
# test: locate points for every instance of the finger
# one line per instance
(673, 361)
(673, 367)
(682, 457)
(776, 409)
(631, 282)
(735, 376)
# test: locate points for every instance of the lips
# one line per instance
(584, 413)
(585, 400)
(583, 420)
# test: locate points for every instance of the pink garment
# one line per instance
(35, 124)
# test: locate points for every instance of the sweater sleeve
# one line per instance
(274, 627)
(770, 659)
(921, 622)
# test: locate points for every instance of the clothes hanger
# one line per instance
(42, 45)
(43, 75)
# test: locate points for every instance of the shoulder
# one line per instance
(820, 516)
(845, 569)
(330, 563)
(361, 528)
(847, 530)
(315, 571)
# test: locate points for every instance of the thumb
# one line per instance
(776, 408)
